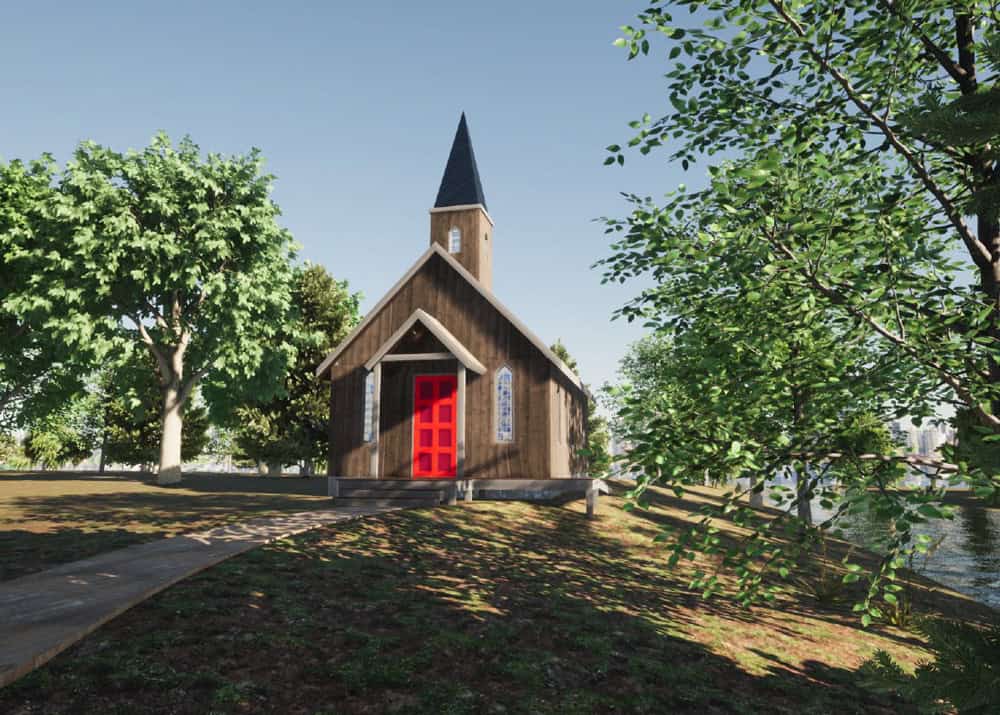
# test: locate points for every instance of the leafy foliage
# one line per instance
(813, 289)
(11, 453)
(65, 436)
(37, 373)
(292, 428)
(131, 415)
(964, 675)
(164, 249)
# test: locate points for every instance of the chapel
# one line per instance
(440, 380)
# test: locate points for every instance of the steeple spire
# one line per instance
(460, 185)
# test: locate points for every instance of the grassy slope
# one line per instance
(48, 519)
(493, 607)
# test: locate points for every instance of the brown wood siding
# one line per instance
(567, 426)
(438, 289)
(477, 248)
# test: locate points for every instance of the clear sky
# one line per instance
(354, 105)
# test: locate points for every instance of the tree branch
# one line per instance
(917, 460)
(955, 71)
(166, 371)
(980, 253)
(952, 380)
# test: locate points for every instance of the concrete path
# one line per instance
(45, 613)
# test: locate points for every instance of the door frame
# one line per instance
(460, 397)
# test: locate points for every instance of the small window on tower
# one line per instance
(454, 240)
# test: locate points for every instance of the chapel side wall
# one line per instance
(567, 426)
(577, 430)
(438, 289)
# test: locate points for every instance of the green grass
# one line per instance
(488, 608)
(53, 518)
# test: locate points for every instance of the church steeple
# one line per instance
(460, 185)
(459, 220)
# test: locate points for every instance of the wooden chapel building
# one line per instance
(440, 380)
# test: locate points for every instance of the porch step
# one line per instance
(394, 484)
(394, 502)
(354, 493)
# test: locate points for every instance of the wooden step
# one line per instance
(397, 502)
(392, 493)
(395, 484)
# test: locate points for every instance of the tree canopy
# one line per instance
(830, 256)
(37, 372)
(291, 428)
(171, 251)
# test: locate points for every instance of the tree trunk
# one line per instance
(308, 468)
(104, 451)
(274, 469)
(804, 504)
(756, 497)
(802, 499)
(170, 442)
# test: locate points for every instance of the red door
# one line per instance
(434, 413)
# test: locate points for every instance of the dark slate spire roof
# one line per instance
(460, 185)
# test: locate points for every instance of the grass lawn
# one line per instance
(51, 518)
(485, 608)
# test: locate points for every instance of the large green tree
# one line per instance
(899, 92)
(291, 428)
(172, 251)
(863, 136)
(37, 372)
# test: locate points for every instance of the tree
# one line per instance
(291, 428)
(756, 377)
(923, 124)
(172, 252)
(130, 397)
(963, 672)
(863, 134)
(37, 373)
(68, 435)
(598, 433)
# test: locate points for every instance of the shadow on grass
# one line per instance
(37, 532)
(490, 608)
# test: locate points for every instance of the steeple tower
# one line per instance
(459, 221)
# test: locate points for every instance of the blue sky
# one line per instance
(354, 105)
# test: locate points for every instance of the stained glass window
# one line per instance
(454, 240)
(505, 405)
(369, 406)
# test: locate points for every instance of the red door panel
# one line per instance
(435, 454)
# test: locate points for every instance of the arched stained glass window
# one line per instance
(369, 407)
(505, 405)
(454, 240)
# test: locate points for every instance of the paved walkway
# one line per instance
(45, 613)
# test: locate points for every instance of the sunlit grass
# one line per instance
(489, 607)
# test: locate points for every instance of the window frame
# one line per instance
(508, 436)
(368, 408)
(454, 238)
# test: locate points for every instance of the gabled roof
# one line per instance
(460, 185)
(453, 345)
(436, 250)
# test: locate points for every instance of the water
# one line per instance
(967, 559)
